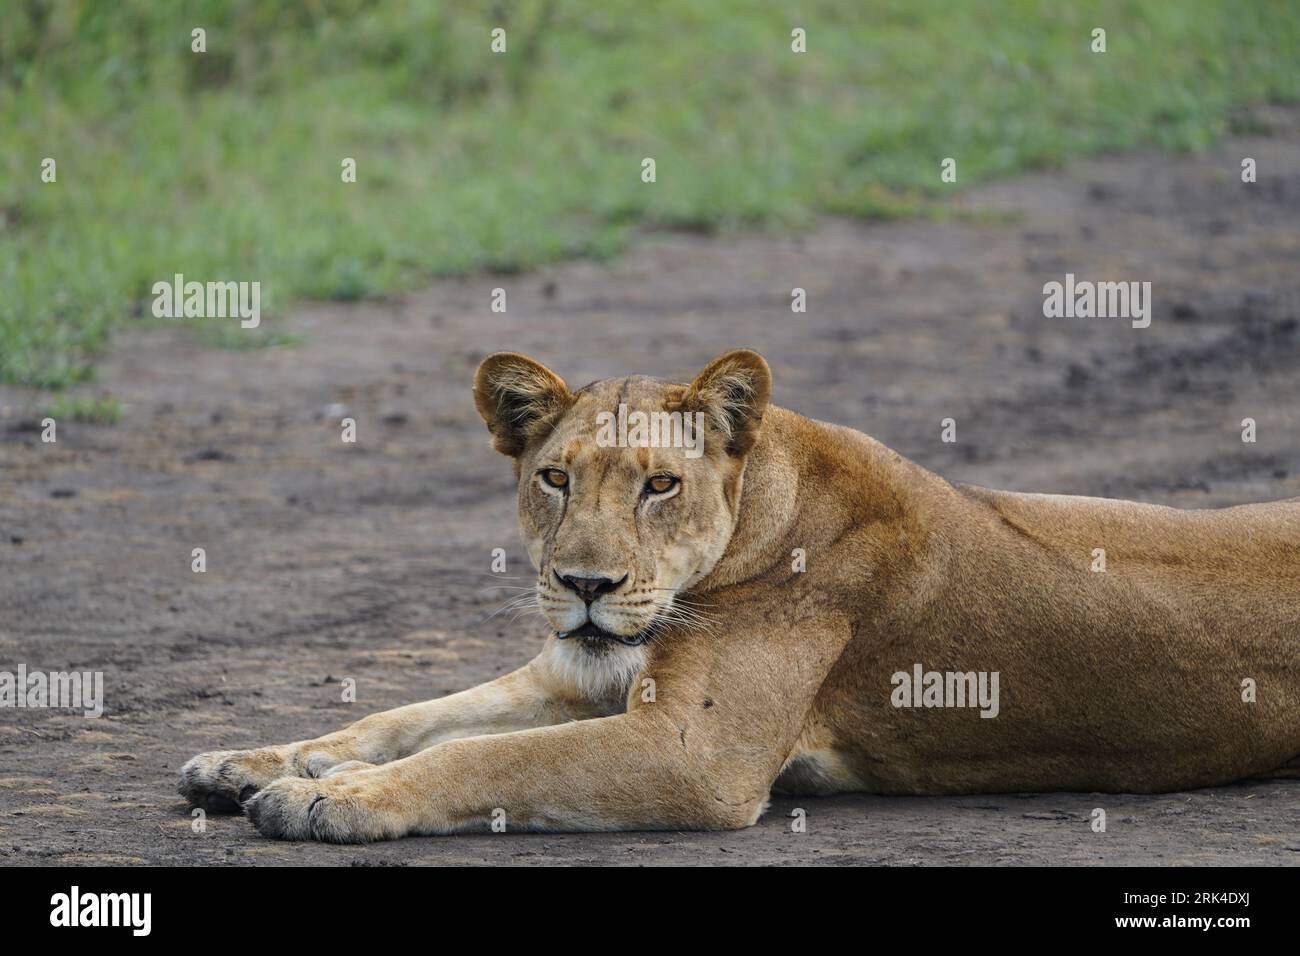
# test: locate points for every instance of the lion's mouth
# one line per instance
(590, 630)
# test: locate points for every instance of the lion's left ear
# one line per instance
(520, 399)
(732, 391)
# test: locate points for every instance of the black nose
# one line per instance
(590, 588)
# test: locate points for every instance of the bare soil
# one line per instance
(328, 561)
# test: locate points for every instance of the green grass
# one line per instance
(228, 335)
(104, 410)
(226, 165)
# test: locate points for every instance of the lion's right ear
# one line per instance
(520, 399)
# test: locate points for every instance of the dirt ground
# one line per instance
(328, 561)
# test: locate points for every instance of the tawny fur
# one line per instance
(756, 675)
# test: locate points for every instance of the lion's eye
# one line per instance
(554, 477)
(659, 484)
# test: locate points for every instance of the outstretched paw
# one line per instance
(335, 810)
(223, 779)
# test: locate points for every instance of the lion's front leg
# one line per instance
(628, 772)
(222, 780)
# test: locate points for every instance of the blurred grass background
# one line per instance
(226, 164)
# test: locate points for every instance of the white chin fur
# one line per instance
(604, 675)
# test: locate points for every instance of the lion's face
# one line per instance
(615, 532)
(628, 490)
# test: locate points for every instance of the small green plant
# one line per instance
(228, 335)
(100, 410)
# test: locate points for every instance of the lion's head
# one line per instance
(629, 489)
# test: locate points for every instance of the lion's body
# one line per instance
(1123, 679)
(744, 626)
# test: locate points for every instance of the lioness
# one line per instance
(764, 612)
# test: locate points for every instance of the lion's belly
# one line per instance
(819, 773)
(1155, 712)
(1084, 747)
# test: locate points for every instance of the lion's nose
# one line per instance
(590, 588)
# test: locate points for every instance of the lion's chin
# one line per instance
(592, 632)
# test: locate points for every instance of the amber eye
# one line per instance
(660, 483)
(554, 477)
